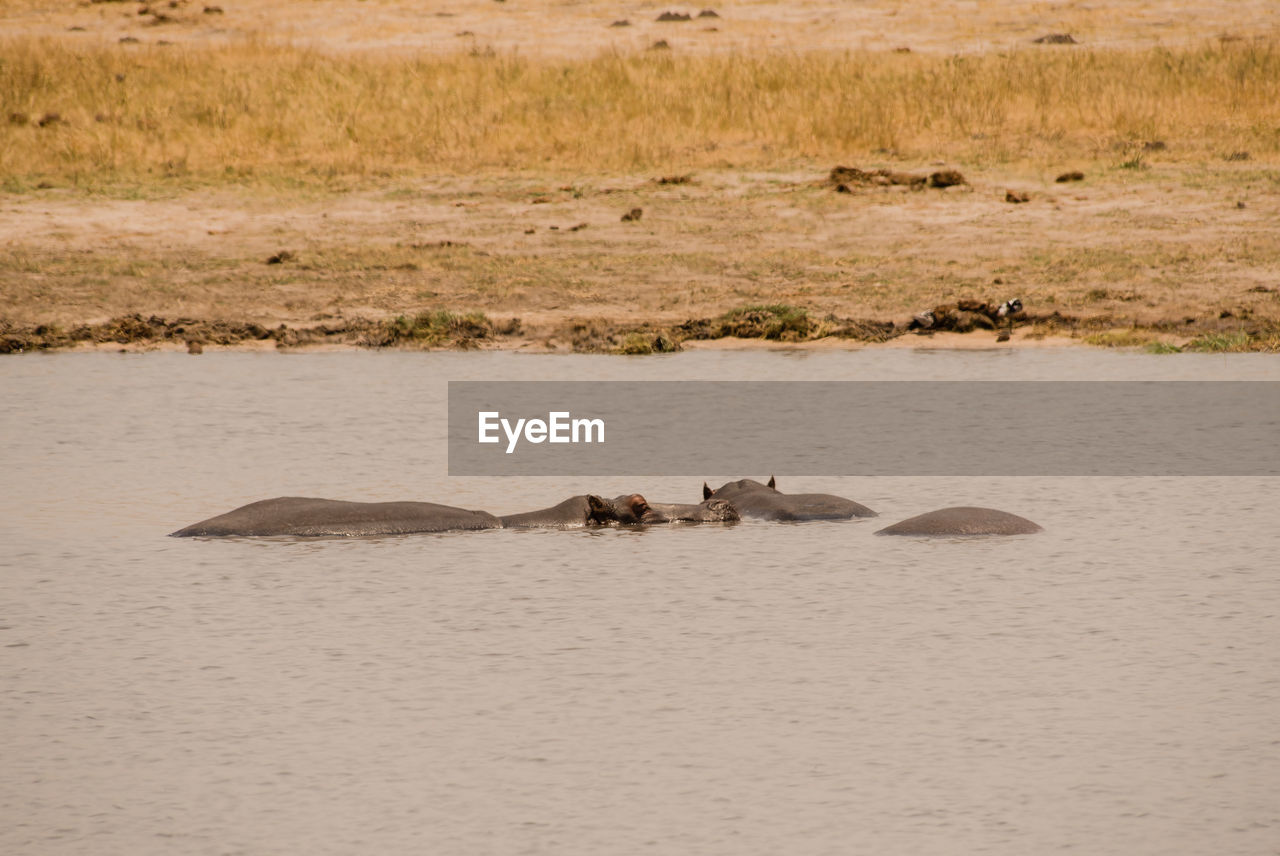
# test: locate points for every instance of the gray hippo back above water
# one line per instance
(305, 516)
(309, 517)
(765, 502)
(963, 520)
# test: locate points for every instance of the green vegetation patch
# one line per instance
(436, 328)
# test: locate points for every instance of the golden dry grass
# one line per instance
(264, 112)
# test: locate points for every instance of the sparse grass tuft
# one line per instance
(636, 343)
(1119, 339)
(437, 328)
(774, 321)
(1221, 343)
(1162, 348)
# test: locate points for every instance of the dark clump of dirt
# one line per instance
(674, 17)
(280, 258)
(844, 176)
(779, 322)
(784, 323)
(1056, 39)
(1070, 176)
(776, 321)
(128, 330)
(967, 315)
(1016, 196)
(675, 179)
(598, 336)
(946, 178)
(633, 215)
(426, 329)
(623, 22)
(660, 45)
(861, 330)
(708, 13)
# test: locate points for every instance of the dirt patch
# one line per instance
(842, 177)
(708, 259)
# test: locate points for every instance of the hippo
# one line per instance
(627, 510)
(963, 520)
(766, 502)
(584, 510)
(707, 511)
(297, 515)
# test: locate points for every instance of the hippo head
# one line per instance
(634, 509)
(600, 510)
(739, 486)
(710, 511)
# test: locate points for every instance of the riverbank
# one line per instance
(1158, 255)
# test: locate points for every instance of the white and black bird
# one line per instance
(1009, 307)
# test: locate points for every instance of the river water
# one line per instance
(1110, 686)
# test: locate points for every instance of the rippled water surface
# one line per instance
(1111, 685)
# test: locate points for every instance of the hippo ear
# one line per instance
(773, 484)
(706, 491)
(596, 504)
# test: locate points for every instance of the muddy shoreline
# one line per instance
(782, 326)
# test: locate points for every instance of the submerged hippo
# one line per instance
(628, 510)
(707, 511)
(297, 515)
(765, 502)
(963, 520)
(584, 510)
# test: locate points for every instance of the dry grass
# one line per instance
(283, 115)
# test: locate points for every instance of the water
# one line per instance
(1108, 686)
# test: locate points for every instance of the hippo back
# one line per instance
(583, 510)
(963, 520)
(306, 516)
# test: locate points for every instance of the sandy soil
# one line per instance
(573, 29)
(1151, 249)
